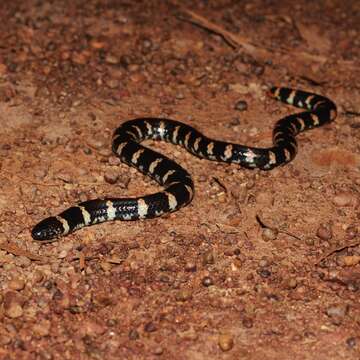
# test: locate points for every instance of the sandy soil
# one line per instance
(261, 265)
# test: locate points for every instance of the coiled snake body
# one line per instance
(179, 187)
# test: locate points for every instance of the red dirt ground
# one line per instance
(206, 282)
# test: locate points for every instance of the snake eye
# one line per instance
(47, 229)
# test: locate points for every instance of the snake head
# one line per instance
(48, 229)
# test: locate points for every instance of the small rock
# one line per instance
(183, 295)
(264, 273)
(208, 258)
(22, 261)
(3, 69)
(133, 334)
(324, 232)
(37, 276)
(207, 281)
(292, 283)
(257, 69)
(158, 350)
(269, 234)
(113, 160)
(351, 232)
(112, 59)
(226, 342)
(241, 105)
(106, 266)
(96, 44)
(93, 328)
(351, 260)
(247, 323)
(16, 284)
(343, 199)
(94, 143)
(150, 327)
(264, 262)
(80, 58)
(112, 83)
(111, 176)
(5, 339)
(42, 328)
(351, 342)
(12, 305)
(62, 254)
(190, 266)
(337, 313)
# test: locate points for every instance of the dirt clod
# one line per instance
(226, 342)
(210, 277)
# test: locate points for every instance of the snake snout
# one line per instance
(47, 229)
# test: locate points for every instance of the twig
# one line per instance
(235, 40)
(263, 225)
(336, 250)
(220, 184)
(231, 39)
(15, 250)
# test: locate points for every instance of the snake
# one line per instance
(178, 185)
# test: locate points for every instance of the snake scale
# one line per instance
(179, 187)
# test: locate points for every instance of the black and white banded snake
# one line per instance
(179, 187)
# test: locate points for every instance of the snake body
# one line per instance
(179, 187)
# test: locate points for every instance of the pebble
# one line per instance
(80, 58)
(112, 83)
(22, 261)
(158, 350)
(351, 232)
(5, 339)
(190, 267)
(247, 323)
(269, 234)
(324, 232)
(93, 328)
(351, 342)
(257, 69)
(207, 281)
(12, 306)
(226, 342)
(133, 334)
(62, 254)
(42, 328)
(241, 105)
(350, 260)
(264, 262)
(208, 258)
(96, 44)
(113, 160)
(337, 313)
(3, 69)
(343, 199)
(146, 46)
(264, 273)
(94, 143)
(309, 241)
(179, 96)
(16, 284)
(106, 266)
(111, 176)
(112, 59)
(183, 295)
(150, 327)
(292, 283)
